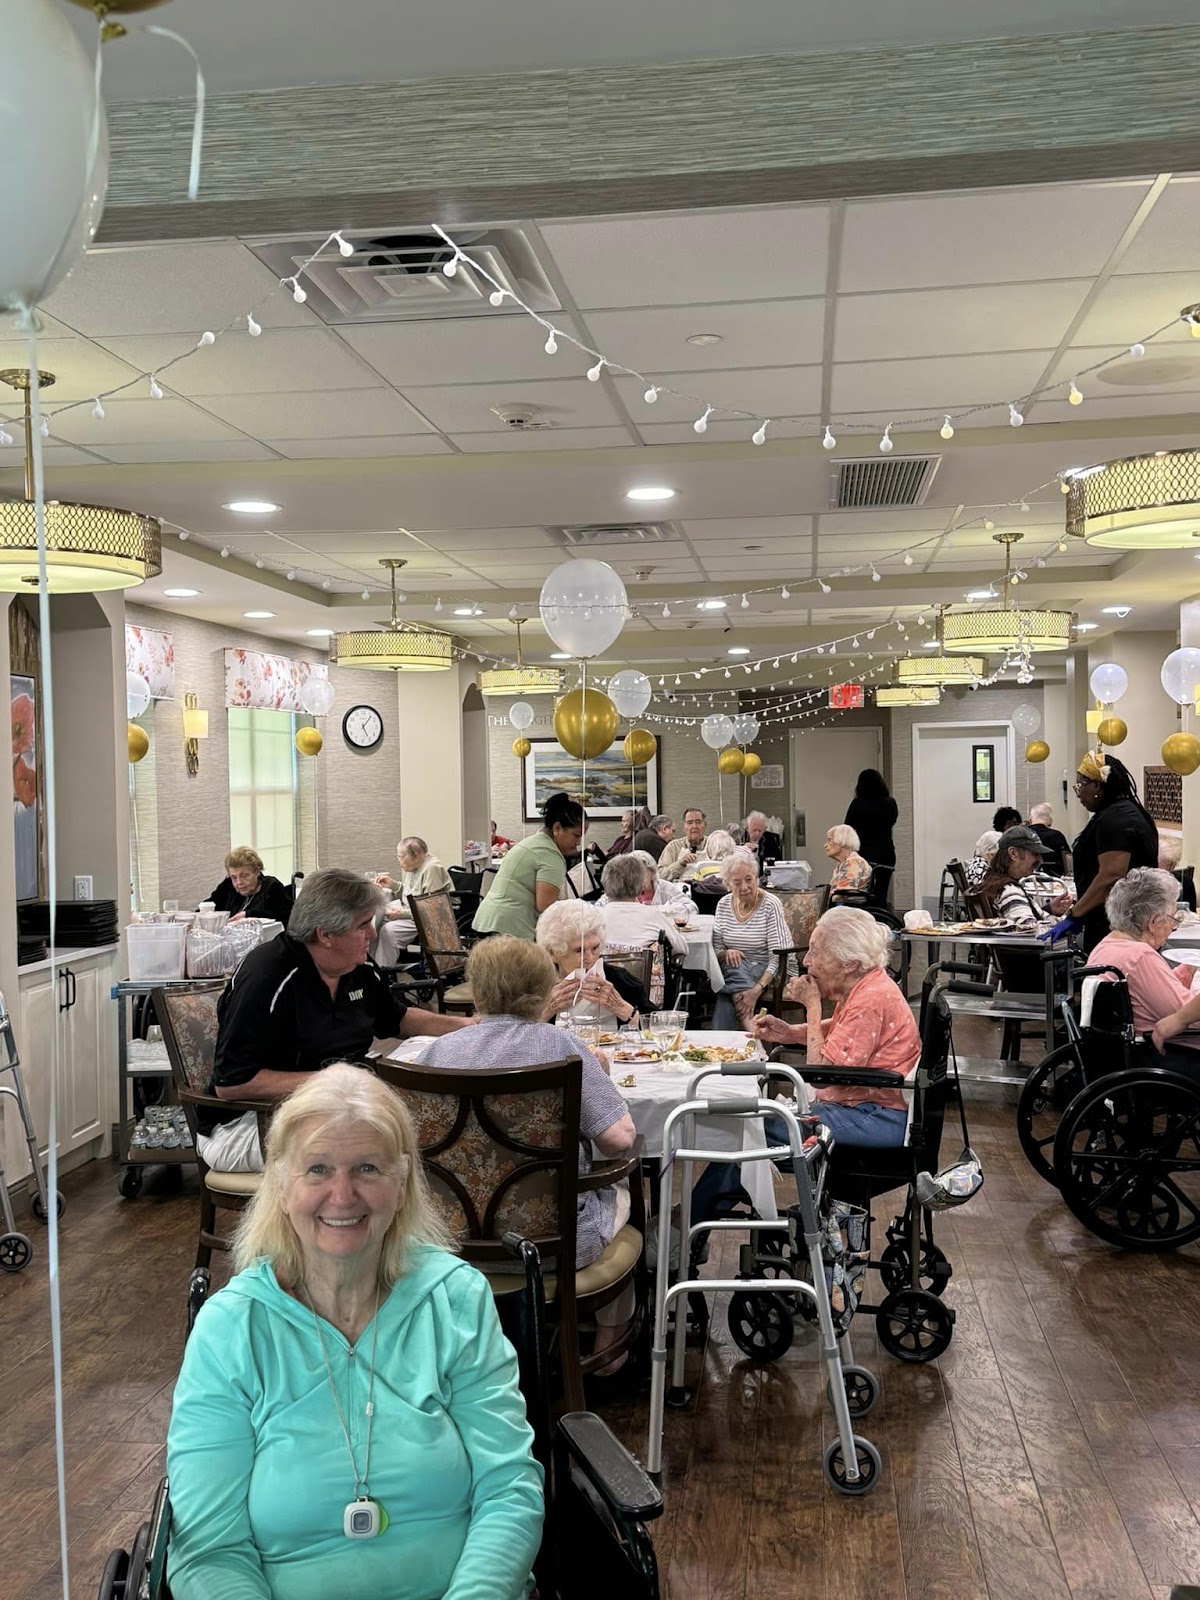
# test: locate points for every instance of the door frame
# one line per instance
(965, 726)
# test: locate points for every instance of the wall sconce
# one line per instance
(1093, 719)
(195, 727)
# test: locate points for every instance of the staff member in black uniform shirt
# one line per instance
(299, 1002)
(247, 891)
(1120, 836)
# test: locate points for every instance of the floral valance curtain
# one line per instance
(265, 682)
(152, 656)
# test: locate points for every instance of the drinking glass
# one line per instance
(665, 1026)
(170, 907)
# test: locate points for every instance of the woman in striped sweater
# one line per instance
(749, 926)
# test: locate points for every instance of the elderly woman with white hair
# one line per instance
(851, 873)
(631, 918)
(871, 1026)
(571, 932)
(1141, 914)
(748, 929)
(980, 863)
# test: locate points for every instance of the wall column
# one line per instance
(429, 707)
(1189, 635)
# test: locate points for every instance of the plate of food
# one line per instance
(641, 1053)
(713, 1055)
(610, 1039)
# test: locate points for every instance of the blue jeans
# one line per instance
(737, 980)
(868, 1126)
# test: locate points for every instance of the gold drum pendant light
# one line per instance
(88, 548)
(1006, 629)
(515, 682)
(1139, 503)
(398, 647)
(900, 694)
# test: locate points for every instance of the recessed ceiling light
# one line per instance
(738, 650)
(464, 611)
(932, 644)
(561, 655)
(981, 594)
(1085, 627)
(258, 613)
(182, 594)
(1115, 611)
(711, 605)
(318, 633)
(650, 492)
(252, 508)
(705, 338)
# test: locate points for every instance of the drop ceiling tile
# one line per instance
(695, 258)
(1166, 241)
(1173, 404)
(139, 421)
(81, 371)
(1130, 308)
(937, 382)
(883, 522)
(466, 408)
(547, 439)
(459, 540)
(280, 360)
(719, 432)
(765, 392)
(172, 288)
(997, 236)
(932, 322)
(753, 334)
(348, 414)
(132, 455)
(705, 530)
(505, 347)
(415, 444)
(53, 455)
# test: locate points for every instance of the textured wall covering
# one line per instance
(681, 133)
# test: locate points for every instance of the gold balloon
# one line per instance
(751, 764)
(521, 748)
(1037, 750)
(138, 741)
(1112, 731)
(730, 761)
(639, 747)
(1181, 753)
(585, 723)
(309, 742)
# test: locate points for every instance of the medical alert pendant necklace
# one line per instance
(363, 1518)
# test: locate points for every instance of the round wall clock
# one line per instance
(362, 727)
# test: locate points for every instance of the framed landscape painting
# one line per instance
(609, 787)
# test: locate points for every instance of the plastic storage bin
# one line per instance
(156, 950)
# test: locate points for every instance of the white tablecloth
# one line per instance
(701, 956)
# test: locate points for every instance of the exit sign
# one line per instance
(845, 697)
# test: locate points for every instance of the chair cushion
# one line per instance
(459, 994)
(618, 1260)
(245, 1183)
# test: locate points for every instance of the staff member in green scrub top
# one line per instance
(533, 872)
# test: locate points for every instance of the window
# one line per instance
(263, 787)
(983, 760)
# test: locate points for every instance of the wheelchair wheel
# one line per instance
(761, 1325)
(198, 1285)
(867, 1459)
(862, 1390)
(1047, 1092)
(914, 1326)
(112, 1580)
(895, 1267)
(1127, 1159)
(16, 1252)
(39, 1210)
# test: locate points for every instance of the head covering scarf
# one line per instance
(1093, 767)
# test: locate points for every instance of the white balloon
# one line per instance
(630, 692)
(520, 714)
(716, 731)
(317, 696)
(51, 193)
(1108, 682)
(1180, 675)
(137, 694)
(1026, 719)
(745, 727)
(583, 607)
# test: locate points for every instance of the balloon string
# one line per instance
(201, 95)
(583, 802)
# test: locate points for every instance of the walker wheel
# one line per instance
(39, 1210)
(867, 1460)
(16, 1252)
(862, 1390)
(761, 1326)
(198, 1286)
(895, 1267)
(914, 1325)
(131, 1183)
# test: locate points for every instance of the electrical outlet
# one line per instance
(83, 886)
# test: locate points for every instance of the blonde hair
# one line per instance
(339, 1096)
(566, 924)
(719, 844)
(510, 978)
(243, 856)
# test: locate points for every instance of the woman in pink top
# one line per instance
(871, 1026)
(1141, 914)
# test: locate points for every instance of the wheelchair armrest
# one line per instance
(965, 969)
(214, 1102)
(963, 987)
(609, 1468)
(853, 1077)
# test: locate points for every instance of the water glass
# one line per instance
(170, 907)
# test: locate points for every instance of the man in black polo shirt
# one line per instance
(1041, 820)
(305, 999)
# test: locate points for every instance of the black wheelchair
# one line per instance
(598, 1500)
(1114, 1128)
(912, 1321)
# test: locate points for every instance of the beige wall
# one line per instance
(1145, 707)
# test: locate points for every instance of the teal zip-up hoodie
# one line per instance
(260, 1474)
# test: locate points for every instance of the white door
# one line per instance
(826, 763)
(950, 807)
(34, 1025)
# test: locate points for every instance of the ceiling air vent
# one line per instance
(875, 484)
(397, 276)
(612, 534)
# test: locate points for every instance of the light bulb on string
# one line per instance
(988, 524)
(1062, 545)
(908, 558)
(593, 373)
(155, 387)
(450, 268)
(438, 607)
(365, 595)
(886, 444)
(785, 593)
(947, 429)
(44, 427)
(666, 611)
(745, 603)
(823, 586)
(298, 294)
(551, 344)
(701, 423)
(1065, 485)
(651, 395)
(291, 577)
(828, 442)
(224, 552)
(759, 436)
(496, 297)
(1075, 398)
(98, 410)
(1137, 351)
(327, 583)
(184, 535)
(260, 563)
(207, 337)
(253, 326)
(5, 436)
(875, 574)
(1015, 418)
(345, 248)
(1024, 505)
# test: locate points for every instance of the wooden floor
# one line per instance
(1052, 1454)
